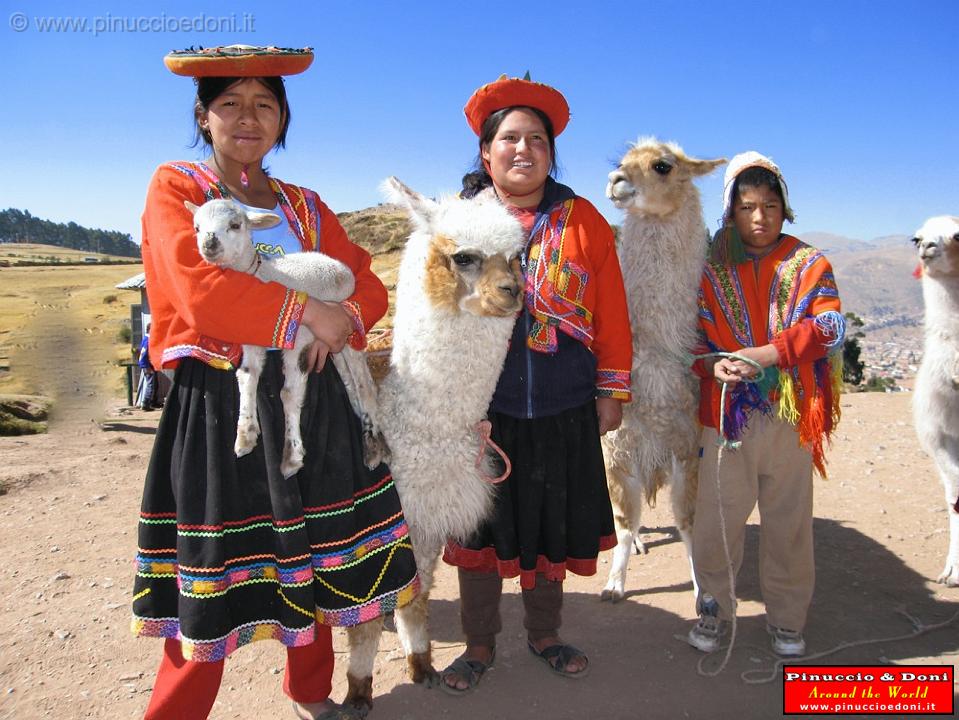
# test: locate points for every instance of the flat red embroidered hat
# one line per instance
(509, 92)
(238, 61)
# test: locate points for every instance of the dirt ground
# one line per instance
(68, 524)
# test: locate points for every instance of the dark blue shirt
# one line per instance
(537, 384)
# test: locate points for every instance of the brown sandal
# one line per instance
(557, 658)
(470, 670)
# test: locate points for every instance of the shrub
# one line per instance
(879, 384)
(109, 299)
(853, 366)
(125, 334)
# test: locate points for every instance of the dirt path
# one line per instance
(68, 527)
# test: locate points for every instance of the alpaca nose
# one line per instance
(619, 186)
(928, 249)
(511, 289)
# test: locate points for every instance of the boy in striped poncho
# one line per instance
(771, 298)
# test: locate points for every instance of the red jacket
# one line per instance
(202, 311)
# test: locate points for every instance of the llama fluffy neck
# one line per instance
(941, 298)
(670, 247)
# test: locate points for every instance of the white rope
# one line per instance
(724, 445)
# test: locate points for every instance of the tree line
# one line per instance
(19, 226)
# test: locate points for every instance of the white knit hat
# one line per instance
(746, 160)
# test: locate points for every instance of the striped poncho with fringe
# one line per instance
(787, 298)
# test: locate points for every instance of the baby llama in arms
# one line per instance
(936, 402)
(459, 289)
(662, 249)
(224, 238)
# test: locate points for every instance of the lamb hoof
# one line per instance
(359, 694)
(245, 441)
(292, 460)
(375, 450)
(289, 469)
(639, 547)
(421, 669)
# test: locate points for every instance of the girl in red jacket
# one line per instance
(230, 552)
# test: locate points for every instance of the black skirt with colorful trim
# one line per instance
(552, 514)
(231, 552)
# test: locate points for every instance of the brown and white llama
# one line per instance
(662, 249)
(457, 295)
(936, 401)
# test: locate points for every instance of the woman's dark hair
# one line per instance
(478, 178)
(755, 177)
(209, 89)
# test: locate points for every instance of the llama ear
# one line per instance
(420, 209)
(263, 220)
(698, 168)
(191, 207)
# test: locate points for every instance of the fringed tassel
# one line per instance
(832, 324)
(821, 414)
(726, 247)
(836, 385)
(741, 402)
(812, 430)
(788, 403)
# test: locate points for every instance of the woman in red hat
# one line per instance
(565, 377)
(230, 551)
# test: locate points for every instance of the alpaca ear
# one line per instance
(263, 220)
(421, 210)
(698, 168)
(191, 207)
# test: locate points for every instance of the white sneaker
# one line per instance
(705, 634)
(786, 643)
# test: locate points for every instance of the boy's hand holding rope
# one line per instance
(734, 377)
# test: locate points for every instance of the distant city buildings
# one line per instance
(892, 349)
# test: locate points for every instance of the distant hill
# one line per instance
(831, 244)
(875, 278)
(19, 226)
(380, 230)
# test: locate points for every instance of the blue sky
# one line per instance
(856, 100)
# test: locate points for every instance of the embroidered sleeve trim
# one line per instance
(613, 383)
(288, 321)
(181, 352)
(357, 340)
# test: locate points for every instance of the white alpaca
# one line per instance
(224, 238)
(459, 289)
(936, 402)
(662, 249)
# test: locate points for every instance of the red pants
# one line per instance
(186, 690)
